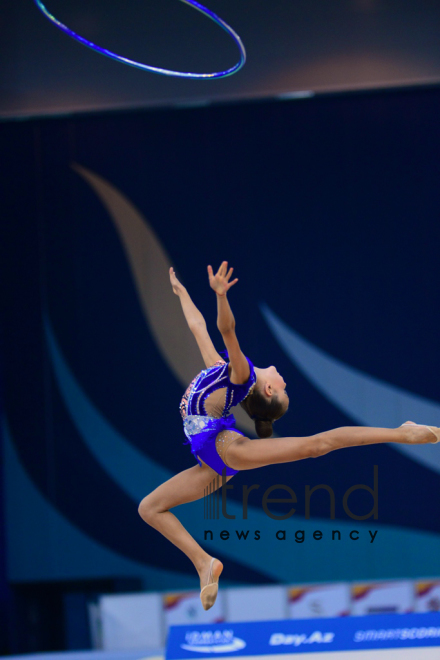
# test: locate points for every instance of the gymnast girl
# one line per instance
(218, 446)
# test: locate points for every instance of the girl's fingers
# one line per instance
(233, 282)
(222, 271)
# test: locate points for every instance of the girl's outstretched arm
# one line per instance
(240, 370)
(196, 322)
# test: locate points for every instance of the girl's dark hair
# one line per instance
(263, 411)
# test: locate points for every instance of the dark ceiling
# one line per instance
(292, 46)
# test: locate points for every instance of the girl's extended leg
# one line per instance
(187, 486)
(246, 454)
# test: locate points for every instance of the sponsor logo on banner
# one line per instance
(212, 641)
(396, 634)
(297, 639)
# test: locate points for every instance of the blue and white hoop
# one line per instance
(166, 72)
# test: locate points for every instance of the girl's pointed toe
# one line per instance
(209, 592)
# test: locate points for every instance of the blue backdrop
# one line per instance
(328, 209)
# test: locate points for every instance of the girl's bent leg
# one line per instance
(187, 486)
(245, 454)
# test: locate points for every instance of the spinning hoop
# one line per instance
(166, 72)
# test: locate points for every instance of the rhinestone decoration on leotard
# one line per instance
(250, 391)
(184, 402)
(221, 443)
(192, 388)
(193, 424)
(220, 376)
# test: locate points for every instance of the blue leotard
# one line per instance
(201, 429)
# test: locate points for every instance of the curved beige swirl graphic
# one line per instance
(149, 264)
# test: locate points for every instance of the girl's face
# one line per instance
(274, 382)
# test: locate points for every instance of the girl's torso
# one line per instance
(212, 393)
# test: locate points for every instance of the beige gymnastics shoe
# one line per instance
(434, 430)
(209, 591)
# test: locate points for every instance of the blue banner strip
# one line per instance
(384, 631)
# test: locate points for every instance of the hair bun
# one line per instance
(263, 428)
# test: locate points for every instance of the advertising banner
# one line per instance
(268, 638)
(184, 607)
(256, 603)
(383, 598)
(316, 601)
(427, 596)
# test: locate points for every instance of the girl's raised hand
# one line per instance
(177, 287)
(220, 281)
